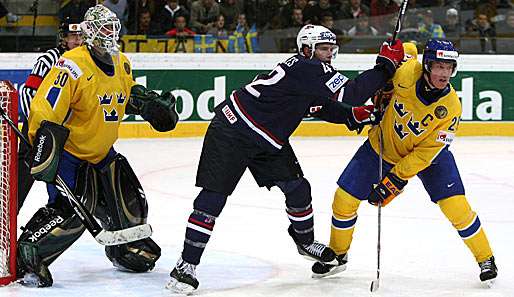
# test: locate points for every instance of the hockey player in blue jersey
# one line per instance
(251, 130)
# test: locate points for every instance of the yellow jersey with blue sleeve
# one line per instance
(91, 104)
(415, 132)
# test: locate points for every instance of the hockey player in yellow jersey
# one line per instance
(73, 124)
(418, 125)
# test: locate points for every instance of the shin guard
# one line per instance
(344, 217)
(466, 222)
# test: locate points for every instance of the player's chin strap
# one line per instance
(102, 236)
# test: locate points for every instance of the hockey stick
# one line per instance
(375, 284)
(102, 236)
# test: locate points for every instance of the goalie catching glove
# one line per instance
(158, 110)
(390, 187)
(46, 151)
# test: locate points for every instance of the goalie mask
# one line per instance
(101, 29)
(311, 35)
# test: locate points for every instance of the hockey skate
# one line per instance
(314, 251)
(320, 269)
(488, 271)
(183, 278)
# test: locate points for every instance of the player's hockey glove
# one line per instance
(158, 110)
(390, 187)
(46, 151)
(383, 96)
(363, 115)
(390, 56)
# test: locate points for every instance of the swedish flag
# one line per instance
(204, 44)
(241, 42)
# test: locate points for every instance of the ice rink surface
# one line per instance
(251, 254)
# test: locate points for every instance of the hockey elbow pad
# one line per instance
(46, 151)
(388, 188)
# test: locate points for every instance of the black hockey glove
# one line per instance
(158, 110)
(46, 151)
(390, 187)
(361, 116)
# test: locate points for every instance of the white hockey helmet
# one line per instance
(101, 29)
(310, 35)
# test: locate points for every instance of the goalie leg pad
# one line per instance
(46, 151)
(123, 205)
(54, 228)
(466, 222)
(344, 217)
(299, 208)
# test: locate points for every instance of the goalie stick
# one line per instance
(102, 236)
(375, 284)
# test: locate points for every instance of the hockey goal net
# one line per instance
(8, 183)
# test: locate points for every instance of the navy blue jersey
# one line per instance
(273, 105)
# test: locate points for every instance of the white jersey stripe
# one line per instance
(252, 126)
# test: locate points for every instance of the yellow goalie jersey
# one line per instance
(415, 133)
(80, 96)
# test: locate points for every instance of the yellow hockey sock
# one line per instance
(344, 217)
(467, 223)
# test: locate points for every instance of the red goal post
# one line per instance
(8, 184)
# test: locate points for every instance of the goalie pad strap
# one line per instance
(46, 152)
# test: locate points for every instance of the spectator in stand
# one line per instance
(487, 7)
(428, 28)
(120, 8)
(352, 10)
(381, 12)
(181, 29)
(74, 11)
(171, 10)
(362, 28)
(145, 24)
(327, 21)
(287, 12)
(296, 20)
(219, 29)
(230, 10)
(486, 32)
(134, 9)
(452, 27)
(313, 14)
(204, 14)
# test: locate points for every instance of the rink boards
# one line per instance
(485, 83)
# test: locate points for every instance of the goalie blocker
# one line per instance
(115, 196)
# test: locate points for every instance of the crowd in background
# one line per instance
(481, 19)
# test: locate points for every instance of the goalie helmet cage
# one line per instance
(8, 184)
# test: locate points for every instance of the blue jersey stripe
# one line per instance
(471, 230)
